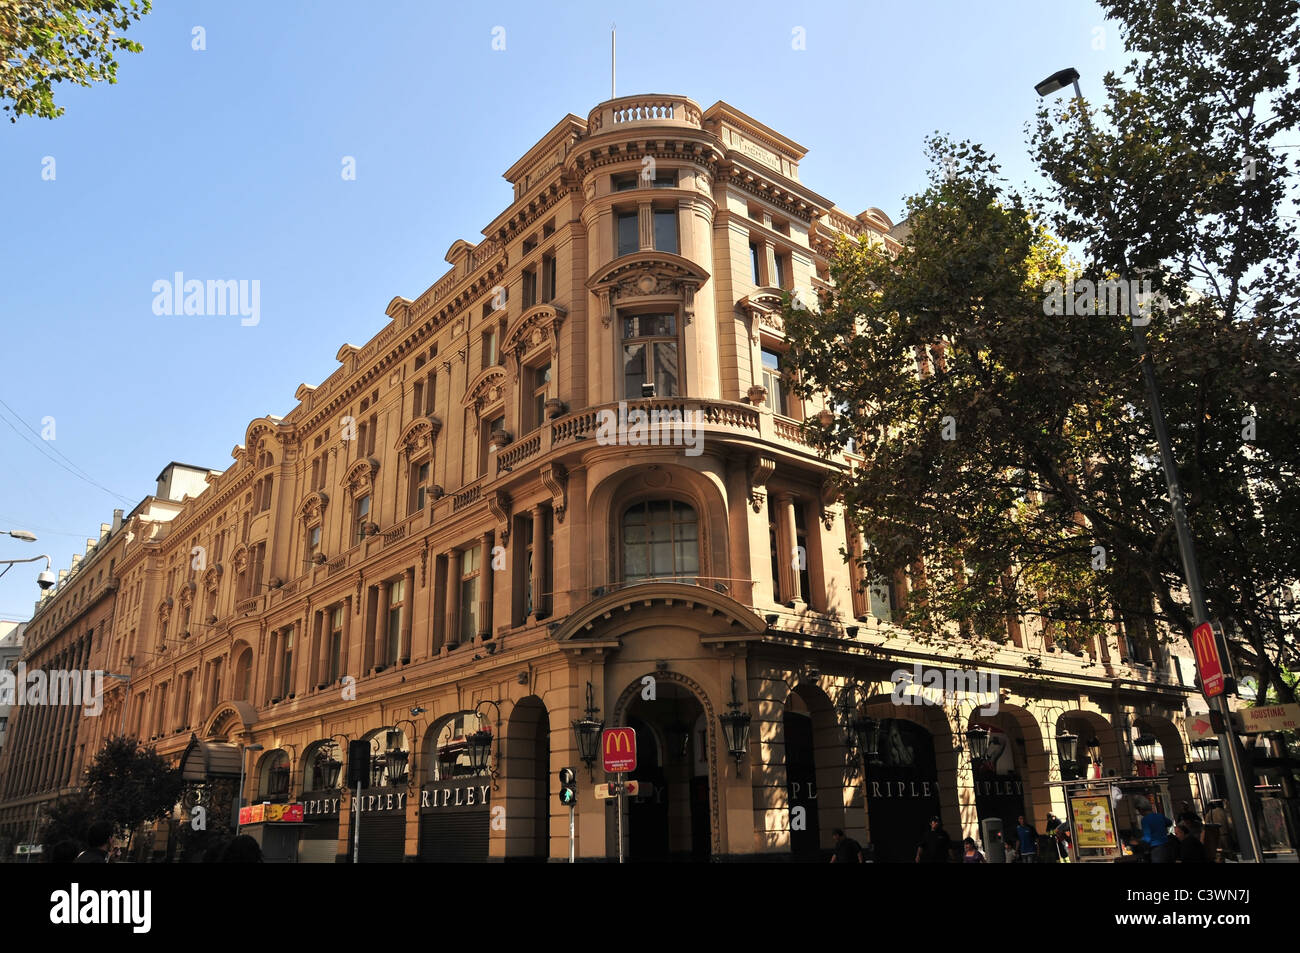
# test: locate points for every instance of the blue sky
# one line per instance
(225, 163)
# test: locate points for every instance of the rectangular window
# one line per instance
(396, 606)
(430, 388)
(548, 277)
(649, 355)
(526, 534)
(773, 381)
(782, 270)
(622, 183)
(753, 262)
(336, 643)
(286, 673)
(417, 404)
(627, 232)
(313, 543)
(801, 541)
(469, 573)
(666, 230)
(541, 383)
(530, 289)
(665, 180)
(773, 538)
(419, 485)
(360, 517)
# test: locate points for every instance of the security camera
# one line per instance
(45, 580)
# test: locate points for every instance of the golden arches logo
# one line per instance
(616, 741)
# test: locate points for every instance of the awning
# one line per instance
(205, 760)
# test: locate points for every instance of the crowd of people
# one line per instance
(98, 849)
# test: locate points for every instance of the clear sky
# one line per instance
(226, 163)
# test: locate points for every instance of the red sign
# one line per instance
(1208, 663)
(270, 813)
(618, 747)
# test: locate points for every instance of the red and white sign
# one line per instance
(618, 749)
(1270, 718)
(1208, 663)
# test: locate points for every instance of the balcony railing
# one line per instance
(507, 460)
(649, 109)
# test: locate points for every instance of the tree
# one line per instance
(44, 42)
(1009, 461)
(68, 818)
(129, 784)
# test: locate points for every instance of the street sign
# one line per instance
(618, 746)
(614, 789)
(1270, 718)
(1199, 727)
(1208, 662)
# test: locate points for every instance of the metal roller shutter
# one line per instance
(460, 838)
(383, 839)
(321, 847)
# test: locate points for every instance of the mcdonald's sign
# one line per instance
(618, 747)
(1208, 663)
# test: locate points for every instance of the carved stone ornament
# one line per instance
(760, 471)
(556, 480)
(361, 475)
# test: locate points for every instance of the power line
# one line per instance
(40, 448)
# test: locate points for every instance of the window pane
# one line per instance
(665, 370)
(753, 261)
(633, 369)
(666, 230)
(469, 561)
(628, 239)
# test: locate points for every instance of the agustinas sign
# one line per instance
(618, 747)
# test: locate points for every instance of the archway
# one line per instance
(669, 818)
(527, 766)
(1015, 765)
(814, 769)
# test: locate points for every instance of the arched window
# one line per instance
(244, 675)
(661, 540)
(451, 754)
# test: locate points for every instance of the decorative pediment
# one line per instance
(187, 593)
(533, 328)
(211, 578)
(763, 308)
(486, 389)
(361, 475)
(239, 558)
(313, 506)
(418, 435)
(647, 275)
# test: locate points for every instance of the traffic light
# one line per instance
(568, 788)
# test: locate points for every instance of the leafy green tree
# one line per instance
(129, 784)
(44, 42)
(1007, 439)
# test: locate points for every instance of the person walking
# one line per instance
(99, 836)
(935, 844)
(1190, 848)
(847, 850)
(1155, 834)
(1028, 840)
(970, 854)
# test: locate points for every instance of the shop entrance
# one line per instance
(902, 791)
(669, 819)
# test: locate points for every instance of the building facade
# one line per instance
(11, 647)
(567, 481)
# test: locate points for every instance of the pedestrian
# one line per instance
(242, 850)
(1009, 846)
(1190, 848)
(935, 844)
(1217, 814)
(1155, 834)
(1187, 815)
(99, 836)
(1028, 838)
(970, 853)
(847, 850)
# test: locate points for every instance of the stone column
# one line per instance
(788, 539)
(485, 585)
(380, 636)
(539, 561)
(346, 648)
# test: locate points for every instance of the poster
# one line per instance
(1092, 823)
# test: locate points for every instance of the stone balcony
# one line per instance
(649, 109)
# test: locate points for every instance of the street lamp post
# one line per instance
(1230, 751)
(240, 803)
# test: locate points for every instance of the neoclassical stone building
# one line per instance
(440, 538)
